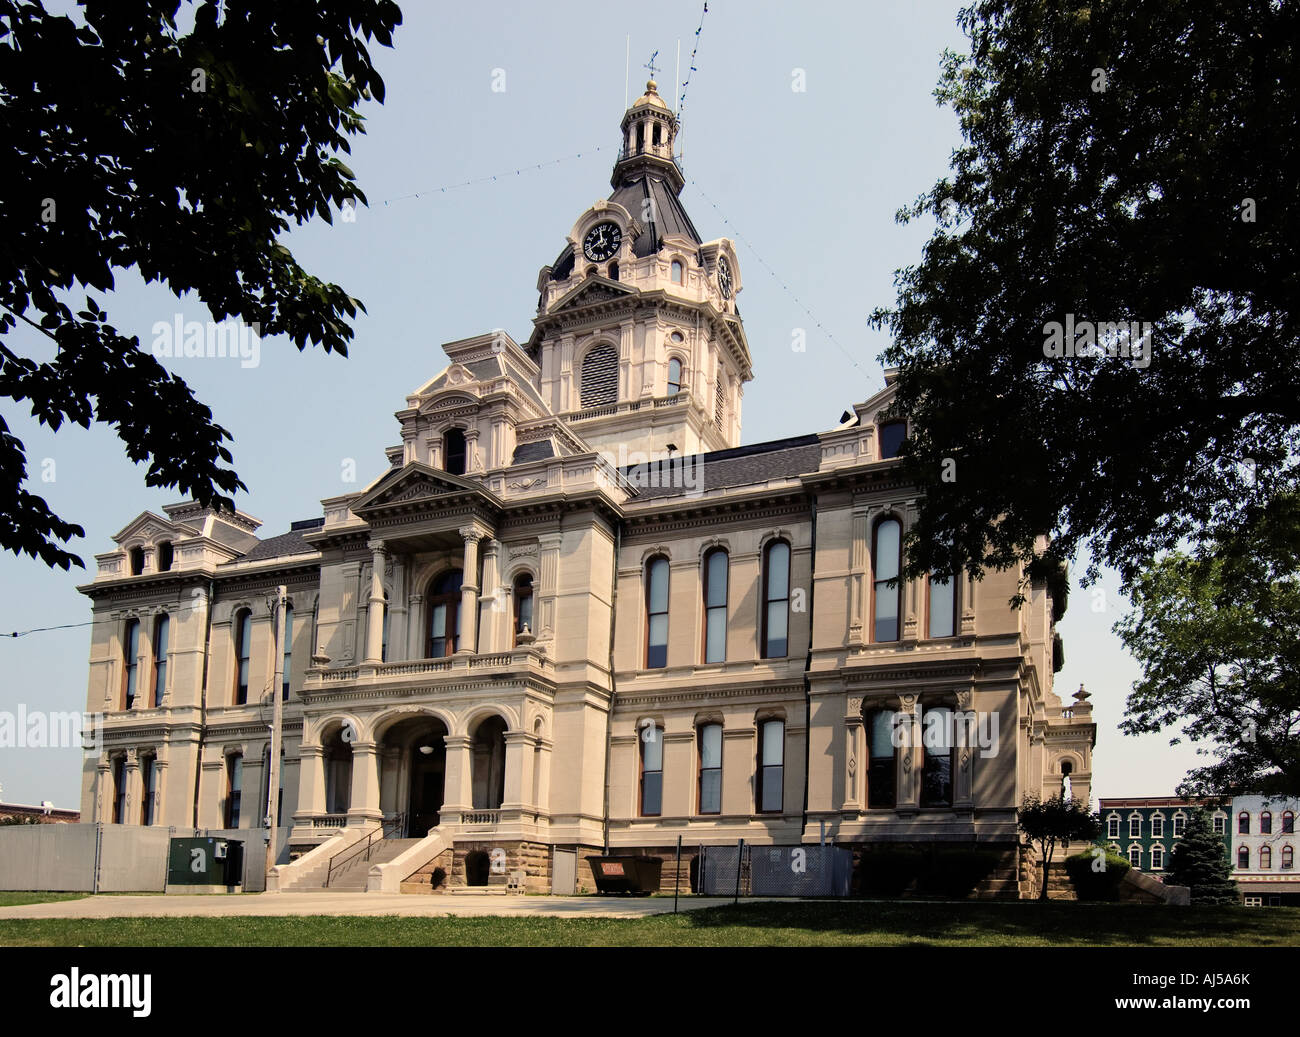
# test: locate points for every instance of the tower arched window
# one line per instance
(523, 594)
(677, 272)
(453, 451)
(444, 614)
(130, 662)
(600, 376)
(656, 608)
(243, 647)
(674, 376)
(886, 562)
(161, 631)
(715, 605)
(613, 271)
(776, 600)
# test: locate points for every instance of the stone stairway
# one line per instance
(351, 878)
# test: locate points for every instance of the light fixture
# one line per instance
(426, 749)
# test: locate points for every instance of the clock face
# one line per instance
(724, 277)
(602, 241)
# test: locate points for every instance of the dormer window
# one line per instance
(137, 560)
(677, 272)
(453, 451)
(892, 434)
(165, 555)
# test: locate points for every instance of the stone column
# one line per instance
(103, 789)
(494, 603)
(458, 787)
(131, 812)
(212, 792)
(519, 753)
(160, 791)
(469, 591)
(311, 780)
(375, 633)
(909, 756)
(365, 784)
(473, 461)
(253, 795)
(853, 755)
(415, 632)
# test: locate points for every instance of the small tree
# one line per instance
(1199, 860)
(1046, 822)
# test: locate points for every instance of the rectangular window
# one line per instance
(652, 771)
(1135, 828)
(1112, 828)
(1157, 858)
(711, 769)
(936, 774)
(1157, 828)
(234, 789)
(771, 772)
(881, 781)
(1180, 824)
(1220, 826)
(1135, 856)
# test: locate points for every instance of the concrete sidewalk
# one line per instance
(264, 905)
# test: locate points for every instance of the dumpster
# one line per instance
(626, 874)
(208, 864)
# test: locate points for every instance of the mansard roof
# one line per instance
(649, 198)
(285, 545)
(741, 466)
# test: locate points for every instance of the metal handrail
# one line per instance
(346, 856)
(395, 824)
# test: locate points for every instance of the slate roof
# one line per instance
(532, 452)
(284, 545)
(668, 216)
(741, 466)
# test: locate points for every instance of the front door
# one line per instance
(428, 773)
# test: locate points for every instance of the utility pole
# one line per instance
(277, 718)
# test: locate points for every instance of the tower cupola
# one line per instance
(649, 130)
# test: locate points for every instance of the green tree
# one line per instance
(1131, 160)
(1049, 822)
(1218, 637)
(126, 144)
(1199, 860)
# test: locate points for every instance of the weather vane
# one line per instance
(651, 64)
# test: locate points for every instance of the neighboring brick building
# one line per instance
(43, 814)
(1263, 843)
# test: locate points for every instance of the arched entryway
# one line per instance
(337, 759)
(413, 771)
(489, 763)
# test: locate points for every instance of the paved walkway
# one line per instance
(409, 904)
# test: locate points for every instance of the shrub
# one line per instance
(1091, 882)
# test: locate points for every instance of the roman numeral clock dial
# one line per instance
(602, 241)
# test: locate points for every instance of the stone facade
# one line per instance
(572, 611)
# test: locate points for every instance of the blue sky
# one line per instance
(807, 182)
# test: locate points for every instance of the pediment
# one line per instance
(146, 527)
(414, 483)
(593, 290)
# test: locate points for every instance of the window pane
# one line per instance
(887, 536)
(711, 745)
(652, 748)
(777, 619)
(942, 595)
(887, 614)
(716, 579)
(439, 625)
(657, 595)
(715, 646)
(711, 791)
(772, 777)
(657, 650)
(891, 438)
(882, 734)
(652, 790)
(778, 571)
(773, 743)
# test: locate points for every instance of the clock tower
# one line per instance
(638, 338)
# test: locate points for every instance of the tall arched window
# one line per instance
(674, 376)
(652, 769)
(1265, 858)
(776, 600)
(130, 661)
(771, 766)
(1265, 823)
(1288, 822)
(453, 451)
(161, 632)
(1243, 823)
(892, 434)
(936, 773)
(489, 764)
(243, 646)
(656, 608)
(1243, 858)
(287, 665)
(715, 605)
(234, 788)
(149, 784)
(600, 376)
(444, 614)
(523, 603)
(676, 271)
(881, 755)
(710, 768)
(886, 560)
(1288, 858)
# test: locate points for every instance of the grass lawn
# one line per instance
(827, 923)
(14, 899)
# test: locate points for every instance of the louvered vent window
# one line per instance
(600, 377)
(720, 405)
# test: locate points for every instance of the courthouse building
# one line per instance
(572, 611)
